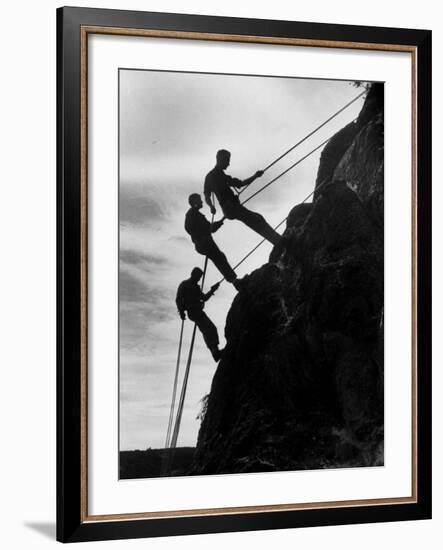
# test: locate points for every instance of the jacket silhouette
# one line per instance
(200, 230)
(190, 299)
(221, 185)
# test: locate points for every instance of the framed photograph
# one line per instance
(244, 274)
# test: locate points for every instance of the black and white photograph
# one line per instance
(251, 274)
(218, 312)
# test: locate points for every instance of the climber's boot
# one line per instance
(216, 354)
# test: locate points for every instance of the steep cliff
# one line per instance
(300, 383)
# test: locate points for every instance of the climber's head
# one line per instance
(223, 158)
(196, 274)
(195, 201)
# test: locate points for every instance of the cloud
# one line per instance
(131, 289)
(143, 260)
(145, 309)
(140, 204)
(180, 239)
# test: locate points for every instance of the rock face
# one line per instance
(300, 384)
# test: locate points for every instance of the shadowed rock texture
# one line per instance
(300, 384)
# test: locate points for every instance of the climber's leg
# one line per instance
(212, 251)
(208, 330)
(235, 211)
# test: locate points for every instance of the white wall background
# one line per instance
(27, 287)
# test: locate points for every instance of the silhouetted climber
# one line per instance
(201, 231)
(191, 299)
(220, 184)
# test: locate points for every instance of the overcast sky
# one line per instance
(171, 125)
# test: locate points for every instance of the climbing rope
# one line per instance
(174, 391)
(173, 442)
(308, 136)
(183, 392)
(273, 181)
(286, 171)
(186, 376)
(275, 229)
(283, 173)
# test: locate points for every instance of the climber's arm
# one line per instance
(235, 182)
(211, 292)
